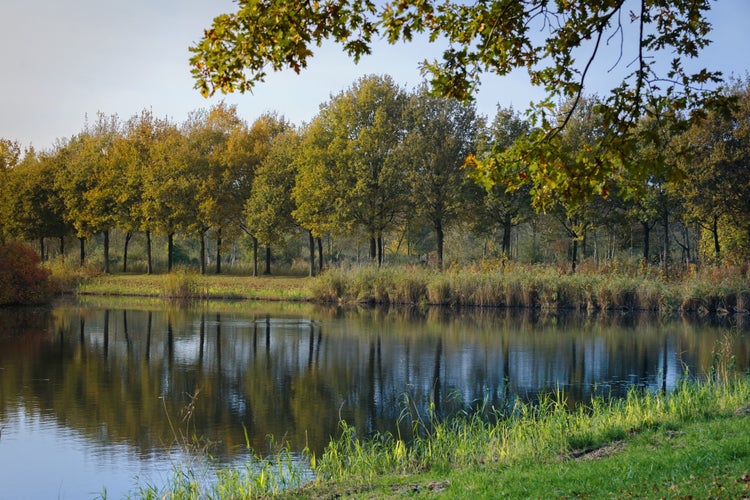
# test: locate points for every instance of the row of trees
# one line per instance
(383, 163)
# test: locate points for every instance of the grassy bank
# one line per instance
(694, 441)
(712, 290)
(184, 284)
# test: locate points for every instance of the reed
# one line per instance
(538, 286)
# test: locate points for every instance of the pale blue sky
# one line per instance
(65, 59)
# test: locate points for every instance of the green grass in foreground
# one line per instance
(694, 441)
(709, 459)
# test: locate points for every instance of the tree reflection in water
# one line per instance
(295, 374)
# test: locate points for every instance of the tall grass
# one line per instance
(198, 477)
(539, 286)
(256, 477)
(544, 431)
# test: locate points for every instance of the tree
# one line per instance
(715, 167)
(350, 177)
(87, 184)
(646, 200)
(645, 210)
(246, 152)
(558, 43)
(269, 208)
(576, 149)
(315, 187)
(503, 206)
(442, 133)
(133, 158)
(224, 154)
(170, 188)
(34, 209)
(10, 153)
(206, 133)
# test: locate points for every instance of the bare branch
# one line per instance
(600, 33)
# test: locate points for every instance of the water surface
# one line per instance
(97, 396)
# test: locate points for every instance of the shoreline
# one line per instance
(531, 287)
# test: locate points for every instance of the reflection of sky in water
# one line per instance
(41, 459)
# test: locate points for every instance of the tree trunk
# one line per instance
(320, 255)
(218, 251)
(687, 257)
(83, 250)
(507, 225)
(62, 248)
(380, 250)
(170, 251)
(203, 252)
(584, 244)
(312, 254)
(268, 260)
(373, 249)
(255, 256)
(149, 265)
(646, 241)
(128, 235)
(41, 249)
(665, 257)
(106, 251)
(715, 232)
(574, 254)
(440, 239)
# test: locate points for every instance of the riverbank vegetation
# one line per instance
(692, 441)
(546, 287)
(23, 279)
(715, 290)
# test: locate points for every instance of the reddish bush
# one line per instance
(22, 279)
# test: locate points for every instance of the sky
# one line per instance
(65, 60)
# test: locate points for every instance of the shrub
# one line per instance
(23, 280)
(182, 283)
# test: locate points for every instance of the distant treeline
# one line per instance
(380, 174)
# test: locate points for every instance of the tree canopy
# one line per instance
(555, 42)
(558, 43)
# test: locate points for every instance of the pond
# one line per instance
(97, 397)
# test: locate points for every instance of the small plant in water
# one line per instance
(198, 476)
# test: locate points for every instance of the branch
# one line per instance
(639, 80)
(600, 32)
